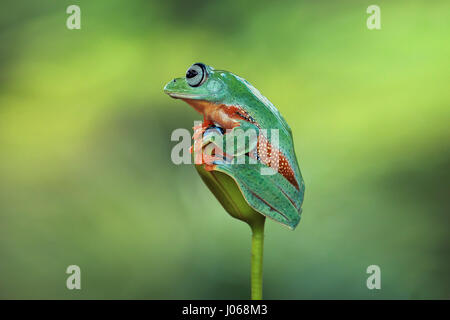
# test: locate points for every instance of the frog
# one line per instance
(229, 103)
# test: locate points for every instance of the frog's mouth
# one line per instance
(178, 95)
(178, 89)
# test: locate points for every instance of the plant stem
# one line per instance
(257, 259)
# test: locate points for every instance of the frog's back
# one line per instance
(259, 107)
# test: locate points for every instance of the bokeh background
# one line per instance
(85, 170)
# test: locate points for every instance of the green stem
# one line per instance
(257, 259)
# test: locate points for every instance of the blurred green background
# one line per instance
(85, 170)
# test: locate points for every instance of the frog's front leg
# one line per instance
(236, 138)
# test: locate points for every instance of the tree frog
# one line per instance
(228, 102)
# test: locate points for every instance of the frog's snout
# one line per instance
(170, 86)
(179, 88)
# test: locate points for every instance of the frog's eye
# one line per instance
(196, 74)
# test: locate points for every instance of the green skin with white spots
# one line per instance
(271, 195)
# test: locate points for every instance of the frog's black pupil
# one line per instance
(191, 73)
